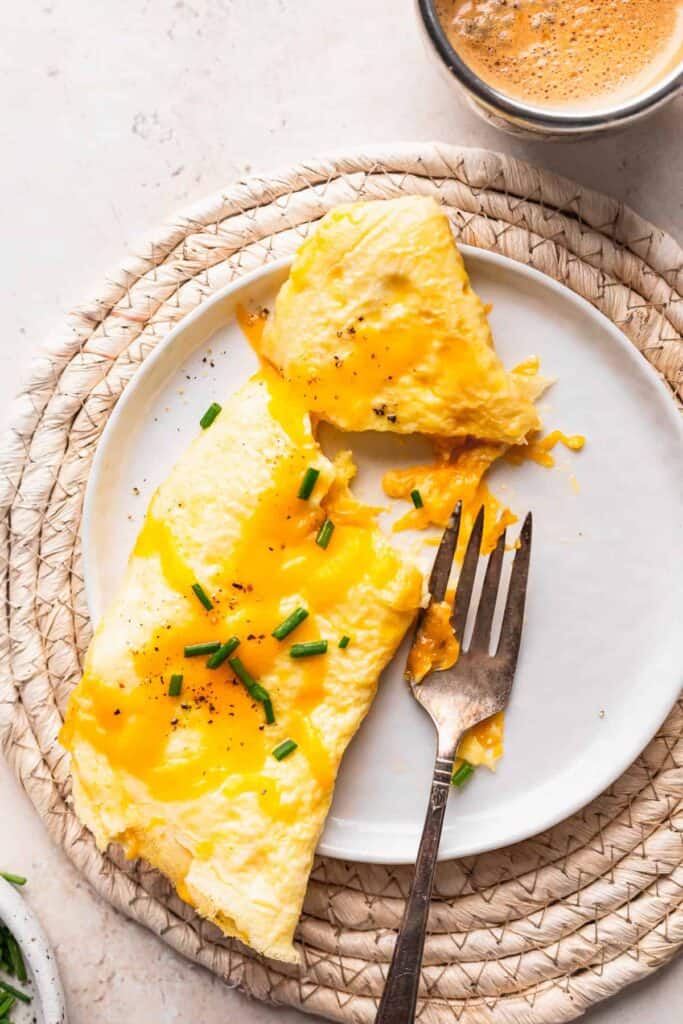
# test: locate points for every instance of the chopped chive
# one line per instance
(6, 1005)
(259, 692)
(290, 623)
(284, 749)
(210, 415)
(14, 879)
(417, 498)
(325, 533)
(344, 642)
(308, 483)
(197, 650)
(202, 596)
(253, 688)
(223, 652)
(16, 959)
(308, 648)
(12, 991)
(175, 685)
(462, 774)
(242, 672)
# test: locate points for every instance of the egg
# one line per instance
(190, 781)
(379, 328)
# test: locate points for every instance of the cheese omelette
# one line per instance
(378, 328)
(190, 781)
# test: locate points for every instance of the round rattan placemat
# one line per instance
(533, 933)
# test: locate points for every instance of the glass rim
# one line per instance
(543, 117)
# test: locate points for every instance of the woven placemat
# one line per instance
(533, 933)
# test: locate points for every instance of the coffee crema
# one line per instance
(567, 53)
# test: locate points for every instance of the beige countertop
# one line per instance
(116, 115)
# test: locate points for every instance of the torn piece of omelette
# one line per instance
(378, 328)
(173, 757)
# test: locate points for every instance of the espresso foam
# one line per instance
(566, 53)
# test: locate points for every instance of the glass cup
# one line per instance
(519, 118)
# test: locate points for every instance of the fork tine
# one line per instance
(443, 562)
(463, 591)
(481, 634)
(513, 617)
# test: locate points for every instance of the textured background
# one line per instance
(114, 116)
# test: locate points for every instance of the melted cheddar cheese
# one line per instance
(457, 474)
(435, 647)
(539, 449)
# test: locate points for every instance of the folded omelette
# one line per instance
(190, 782)
(261, 601)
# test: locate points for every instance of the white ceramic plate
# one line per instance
(600, 664)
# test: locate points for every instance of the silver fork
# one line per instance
(476, 687)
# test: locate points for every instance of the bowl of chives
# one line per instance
(40, 995)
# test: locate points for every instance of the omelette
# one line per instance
(261, 601)
(180, 759)
(379, 328)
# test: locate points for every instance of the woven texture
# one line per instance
(533, 933)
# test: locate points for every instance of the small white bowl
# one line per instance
(48, 1005)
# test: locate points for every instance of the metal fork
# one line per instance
(476, 687)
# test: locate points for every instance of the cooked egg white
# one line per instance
(378, 328)
(190, 782)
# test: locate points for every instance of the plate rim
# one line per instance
(246, 281)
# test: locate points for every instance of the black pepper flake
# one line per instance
(117, 711)
(392, 418)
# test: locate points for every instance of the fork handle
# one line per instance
(397, 1005)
